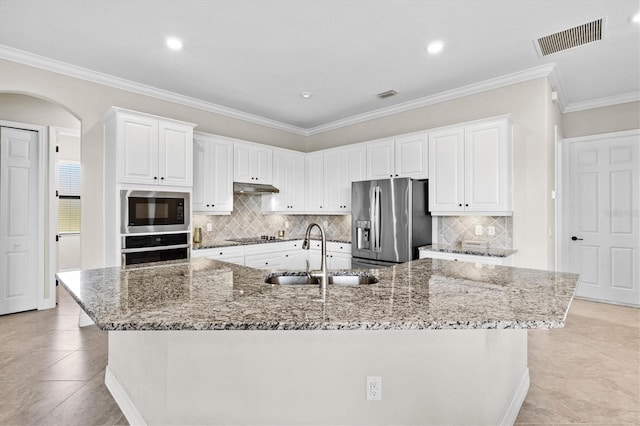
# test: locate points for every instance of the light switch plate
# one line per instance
(478, 229)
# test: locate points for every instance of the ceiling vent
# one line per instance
(387, 94)
(570, 38)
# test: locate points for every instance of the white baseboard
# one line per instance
(519, 396)
(122, 399)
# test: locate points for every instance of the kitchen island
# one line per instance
(208, 342)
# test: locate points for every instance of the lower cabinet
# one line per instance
(338, 255)
(234, 254)
(286, 255)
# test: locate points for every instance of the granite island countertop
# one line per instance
(205, 294)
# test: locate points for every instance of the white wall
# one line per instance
(614, 118)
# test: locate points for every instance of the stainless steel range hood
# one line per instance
(253, 188)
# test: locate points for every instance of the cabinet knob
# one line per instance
(221, 253)
(155, 178)
(162, 178)
(390, 175)
(396, 174)
(208, 205)
(459, 205)
(466, 205)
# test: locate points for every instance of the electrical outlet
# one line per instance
(374, 388)
(478, 229)
(209, 227)
(325, 224)
(286, 224)
(491, 230)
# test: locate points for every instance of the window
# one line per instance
(68, 197)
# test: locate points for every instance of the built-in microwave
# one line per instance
(154, 211)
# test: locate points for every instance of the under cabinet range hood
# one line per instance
(254, 188)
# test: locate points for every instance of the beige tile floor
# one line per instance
(52, 372)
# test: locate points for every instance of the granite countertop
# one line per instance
(257, 240)
(205, 294)
(457, 248)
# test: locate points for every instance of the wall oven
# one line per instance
(154, 211)
(154, 248)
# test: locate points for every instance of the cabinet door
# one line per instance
(201, 166)
(381, 159)
(295, 260)
(265, 261)
(221, 175)
(446, 174)
(334, 180)
(412, 156)
(242, 163)
(138, 144)
(175, 159)
(339, 261)
(315, 182)
(296, 184)
(261, 159)
(486, 171)
(280, 201)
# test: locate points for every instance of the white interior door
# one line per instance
(19, 261)
(602, 230)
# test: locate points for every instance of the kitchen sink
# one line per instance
(300, 278)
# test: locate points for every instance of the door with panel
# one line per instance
(446, 183)
(602, 216)
(19, 226)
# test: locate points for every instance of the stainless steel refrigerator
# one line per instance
(390, 219)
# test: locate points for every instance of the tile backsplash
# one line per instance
(247, 220)
(455, 229)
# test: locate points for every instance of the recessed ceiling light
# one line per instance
(174, 43)
(306, 95)
(636, 18)
(435, 47)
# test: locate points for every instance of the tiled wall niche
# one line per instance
(455, 229)
(247, 220)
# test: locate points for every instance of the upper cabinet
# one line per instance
(289, 178)
(470, 169)
(329, 177)
(212, 173)
(150, 150)
(403, 156)
(252, 163)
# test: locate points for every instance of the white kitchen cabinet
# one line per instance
(289, 178)
(232, 254)
(252, 163)
(478, 259)
(403, 156)
(212, 174)
(338, 255)
(266, 261)
(279, 255)
(150, 150)
(315, 182)
(470, 170)
(329, 177)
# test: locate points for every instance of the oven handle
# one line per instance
(155, 248)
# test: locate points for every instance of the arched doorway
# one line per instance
(26, 114)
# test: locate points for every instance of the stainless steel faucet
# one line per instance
(324, 279)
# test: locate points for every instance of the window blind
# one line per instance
(68, 197)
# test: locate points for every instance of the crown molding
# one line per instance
(547, 70)
(64, 68)
(494, 83)
(603, 102)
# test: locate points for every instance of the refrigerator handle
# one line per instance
(375, 220)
